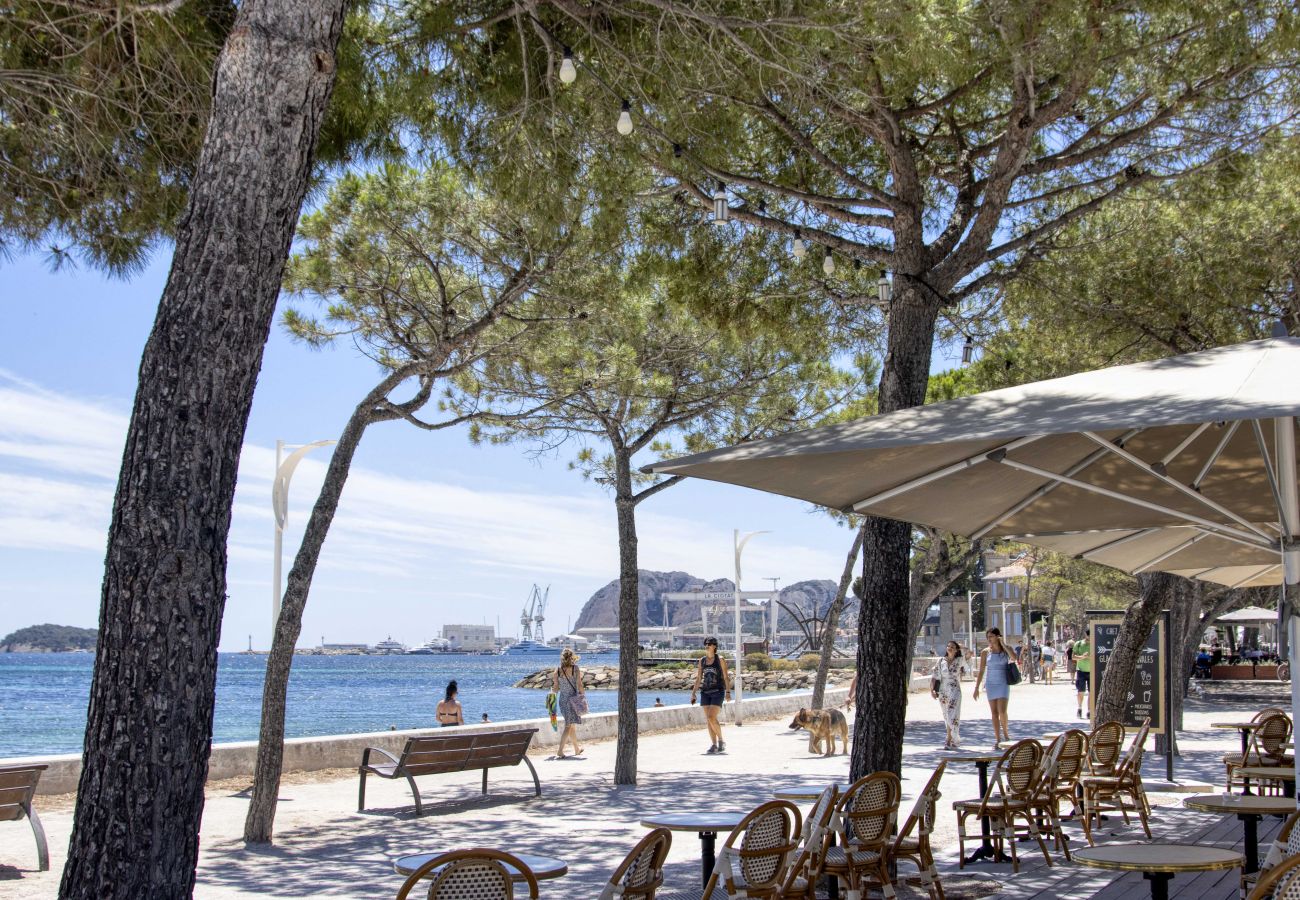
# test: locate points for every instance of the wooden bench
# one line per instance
(453, 752)
(17, 787)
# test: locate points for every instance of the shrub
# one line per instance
(785, 665)
(809, 660)
(758, 662)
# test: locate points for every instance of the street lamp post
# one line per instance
(739, 543)
(970, 615)
(284, 467)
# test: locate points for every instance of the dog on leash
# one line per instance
(822, 726)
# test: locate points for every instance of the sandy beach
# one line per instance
(324, 847)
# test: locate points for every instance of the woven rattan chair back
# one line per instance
(1019, 770)
(1133, 760)
(478, 874)
(1105, 744)
(921, 819)
(1282, 882)
(1271, 735)
(815, 841)
(1072, 758)
(819, 817)
(767, 839)
(1265, 713)
(641, 872)
(869, 809)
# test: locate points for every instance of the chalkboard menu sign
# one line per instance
(1146, 694)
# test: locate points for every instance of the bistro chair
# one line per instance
(1282, 882)
(1062, 767)
(477, 874)
(801, 878)
(1264, 748)
(1105, 744)
(1285, 846)
(866, 816)
(641, 872)
(1120, 792)
(917, 849)
(756, 857)
(1010, 796)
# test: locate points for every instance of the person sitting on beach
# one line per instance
(449, 711)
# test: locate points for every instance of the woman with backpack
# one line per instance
(711, 684)
(567, 682)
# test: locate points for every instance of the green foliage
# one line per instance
(53, 638)
(809, 661)
(758, 662)
(785, 665)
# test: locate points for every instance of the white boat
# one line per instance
(430, 647)
(530, 648)
(389, 646)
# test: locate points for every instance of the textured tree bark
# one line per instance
(149, 724)
(259, 824)
(629, 602)
(1158, 590)
(883, 619)
(833, 620)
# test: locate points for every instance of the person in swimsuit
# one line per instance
(567, 682)
(711, 684)
(449, 711)
(993, 673)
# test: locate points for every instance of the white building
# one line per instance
(470, 637)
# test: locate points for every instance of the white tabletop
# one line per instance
(1157, 857)
(696, 821)
(542, 867)
(1241, 804)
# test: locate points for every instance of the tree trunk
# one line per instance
(629, 620)
(149, 723)
(832, 621)
(260, 821)
(886, 551)
(1158, 590)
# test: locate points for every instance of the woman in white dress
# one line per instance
(945, 686)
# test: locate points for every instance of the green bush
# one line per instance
(809, 661)
(785, 665)
(758, 662)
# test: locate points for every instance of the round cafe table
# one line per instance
(1248, 808)
(1158, 863)
(810, 791)
(1284, 774)
(986, 850)
(705, 824)
(542, 867)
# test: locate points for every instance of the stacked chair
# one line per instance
(866, 816)
(641, 873)
(1012, 795)
(756, 856)
(1062, 767)
(1105, 744)
(818, 829)
(916, 849)
(478, 874)
(1266, 747)
(1121, 792)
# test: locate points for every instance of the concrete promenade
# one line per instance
(326, 848)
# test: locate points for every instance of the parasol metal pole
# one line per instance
(739, 545)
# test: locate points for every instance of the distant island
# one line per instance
(49, 639)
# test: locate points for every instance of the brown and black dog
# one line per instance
(823, 725)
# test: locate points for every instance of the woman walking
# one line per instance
(567, 682)
(945, 686)
(993, 673)
(449, 711)
(711, 685)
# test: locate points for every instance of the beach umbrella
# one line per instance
(1189, 462)
(1250, 615)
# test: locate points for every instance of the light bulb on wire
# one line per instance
(568, 71)
(799, 248)
(883, 288)
(720, 211)
(967, 351)
(828, 262)
(625, 119)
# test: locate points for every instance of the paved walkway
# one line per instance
(325, 848)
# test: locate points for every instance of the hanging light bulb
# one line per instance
(828, 262)
(799, 248)
(568, 71)
(720, 211)
(967, 351)
(625, 119)
(883, 288)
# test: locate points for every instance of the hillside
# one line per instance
(602, 609)
(49, 639)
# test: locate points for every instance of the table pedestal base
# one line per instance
(1159, 884)
(708, 841)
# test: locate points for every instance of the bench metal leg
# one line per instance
(537, 785)
(42, 850)
(361, 793)
(485, 780)
(415, 792)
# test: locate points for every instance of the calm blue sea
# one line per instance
(43, 696)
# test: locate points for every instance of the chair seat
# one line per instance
(836, 856)
(1255, 759)
(692, 894)
(907, 845)
(993, 806)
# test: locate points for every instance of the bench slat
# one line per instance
(22, 778)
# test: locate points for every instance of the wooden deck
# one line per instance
(1070, 881)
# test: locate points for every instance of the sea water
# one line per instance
(43, 696)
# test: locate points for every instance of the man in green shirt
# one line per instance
(1082, 670)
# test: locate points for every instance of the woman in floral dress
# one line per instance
(945, 686)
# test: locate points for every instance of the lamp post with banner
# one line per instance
(284, 468)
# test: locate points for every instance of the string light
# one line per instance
(799, 248)
(828, 262)
(568, 71)
(625, 119)
(883, 290)
(720, 211)
(967, 351)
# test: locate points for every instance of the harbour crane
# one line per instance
(526, 617)
(538, 634)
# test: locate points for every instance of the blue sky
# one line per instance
(430, 530)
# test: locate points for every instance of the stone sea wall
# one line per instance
(605, 678)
